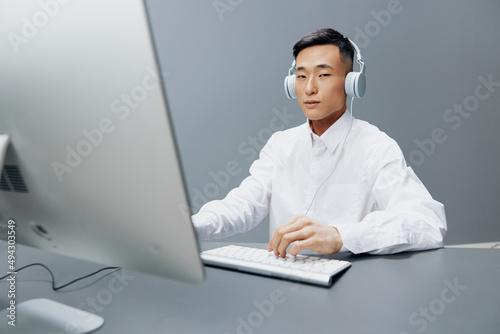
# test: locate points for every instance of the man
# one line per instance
(334, 183)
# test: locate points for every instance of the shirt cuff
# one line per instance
(354, 239)
(203, 225)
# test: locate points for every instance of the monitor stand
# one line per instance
(4, 142)
(44, 315)
(47, 316)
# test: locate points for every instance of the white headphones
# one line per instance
(355, 82)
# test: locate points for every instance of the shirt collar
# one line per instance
(335, 133)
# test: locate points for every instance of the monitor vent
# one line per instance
(12, 180)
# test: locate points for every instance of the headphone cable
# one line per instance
(340, 155)
(54, 287)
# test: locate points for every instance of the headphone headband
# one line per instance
(359, 58)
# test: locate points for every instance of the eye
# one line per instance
(301, 76)
(324, 75)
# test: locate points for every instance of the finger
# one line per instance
(288, 227)
(270, 243)
(288, 238)
(283, 238)
(296, 248)
(300, 245)
(274, 242)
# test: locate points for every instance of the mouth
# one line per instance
(311, 103)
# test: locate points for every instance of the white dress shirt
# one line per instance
(369, 194)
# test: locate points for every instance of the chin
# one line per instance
(314, 116)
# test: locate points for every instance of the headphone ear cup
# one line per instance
(355, 84)
(290, 87)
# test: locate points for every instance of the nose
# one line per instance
(311, 87)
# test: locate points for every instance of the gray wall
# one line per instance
(224, 75)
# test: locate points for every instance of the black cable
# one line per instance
(52, 275)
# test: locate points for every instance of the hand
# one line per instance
(307, 234)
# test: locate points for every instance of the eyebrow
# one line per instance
(302, 68)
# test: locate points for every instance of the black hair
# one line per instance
(327, 36)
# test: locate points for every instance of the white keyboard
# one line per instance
(309, 269)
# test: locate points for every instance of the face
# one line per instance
(319, 84)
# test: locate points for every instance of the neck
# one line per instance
(321, 125)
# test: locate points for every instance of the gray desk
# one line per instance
(441, 291)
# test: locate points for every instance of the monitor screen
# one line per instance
(92, 169)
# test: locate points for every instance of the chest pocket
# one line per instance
(339, 203)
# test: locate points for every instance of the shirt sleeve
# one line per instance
(244, 207)
(406, 218)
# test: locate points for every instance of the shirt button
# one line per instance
(359, 245)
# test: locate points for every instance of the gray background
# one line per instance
(224, 77)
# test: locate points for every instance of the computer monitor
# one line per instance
(92, 169)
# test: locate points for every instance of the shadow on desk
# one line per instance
(346, 256)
